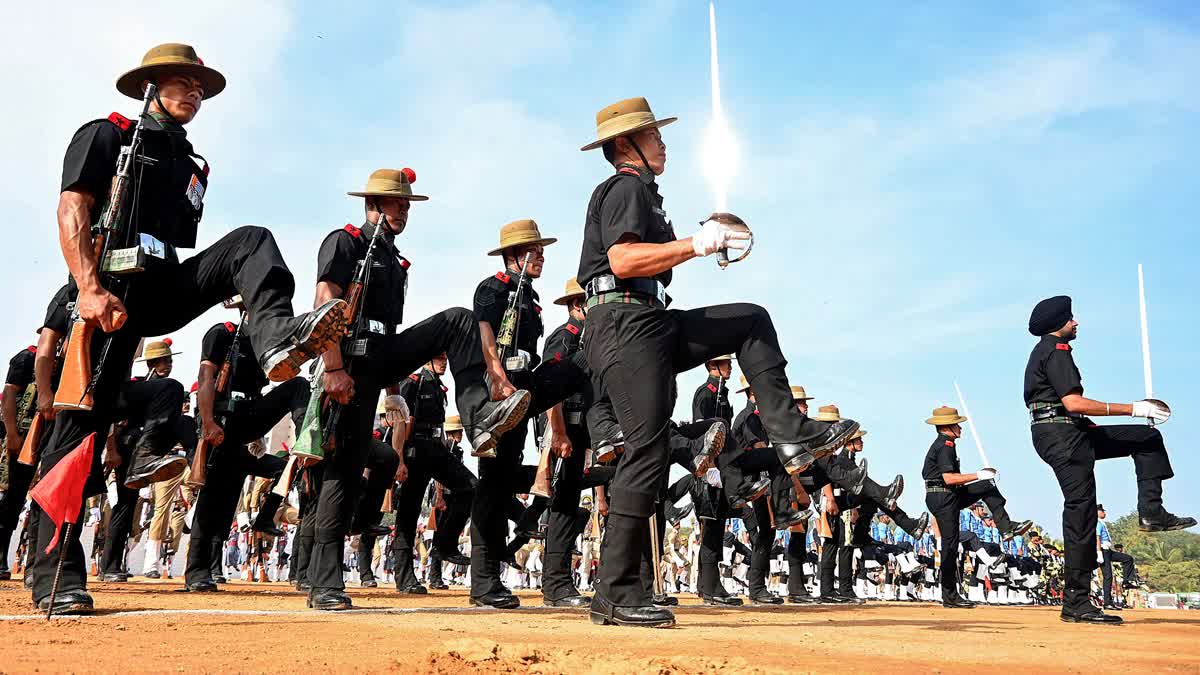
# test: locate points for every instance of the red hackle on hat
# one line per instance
(409, 174)
(168, 342)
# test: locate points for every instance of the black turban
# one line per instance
(1050, 314)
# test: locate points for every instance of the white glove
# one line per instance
(1100, 556)
(713, 477)
(395, 410)
(1151, 410)
(987, 474)
(714, 236)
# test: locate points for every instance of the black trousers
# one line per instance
(557, 582)
(120, 522)
(797, 555)
(389, 358)
(1071, 450)
(836, 552)
(431, 460)
(1128, 571)
(499, 477)
(310, 489)
(945, 507)
(164, 298)
(11, 503)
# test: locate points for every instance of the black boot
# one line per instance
(146, 468)
(796, 457)
(329, 599)
(1164, 521)
(312, 335)
(68, 602)
(265, 520)
(884, 496)
(604, 613)
(496, 418)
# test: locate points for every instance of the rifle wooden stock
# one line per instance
(33, 439)
(223, 377)
(803, 499)
(74, 388)
(655, 555)
(542, 481)
(431, 524)
(199, 472)
(284, 485)
(386, 507)
(823, 528)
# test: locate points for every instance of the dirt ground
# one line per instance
(151, 626)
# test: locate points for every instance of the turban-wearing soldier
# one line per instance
(1070, 443)
(163, 209)
(428, 456)
(230, 420)
(356, 371)
(629, 251)
(948, 490)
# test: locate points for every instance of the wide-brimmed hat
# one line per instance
(723, 357)
(391, 183)
(798, 394)
(522, 232)
(743, 385)
(453, 423)
(157, 350)
(170, 59)
(623, 118)
(858, 434)
(945, 416)
(828, 413)
(572, 290)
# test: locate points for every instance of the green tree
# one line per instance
(1168, 561)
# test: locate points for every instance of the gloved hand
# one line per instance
(987, 473)
(713, 477)
(1100, 556)
(1151, 410)
(395, 410)
(714, 236)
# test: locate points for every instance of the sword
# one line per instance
(962, 402)
(1146, 374)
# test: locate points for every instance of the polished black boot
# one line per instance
(603, 613)
(329, 599)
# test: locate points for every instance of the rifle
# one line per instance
(509, 326)
(431, 524)
(199, 470)
(543, 482)
(79, 375)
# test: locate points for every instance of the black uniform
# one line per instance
(167, 204)
(638, 345)
(945, 501)
(429, 456)
(246, 414)
(549, 383)
(389, 357)
(1071, 444)
(17, 381)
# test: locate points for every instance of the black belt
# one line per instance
(1051, 413)
(938, 488)
(607, 288)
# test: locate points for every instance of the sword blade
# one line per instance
(1146, 374)
(962, 403)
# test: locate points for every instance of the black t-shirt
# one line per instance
(58, 312)
(246, 377)
(338, 261)
(1051, 373)
(564, 342)
(491, 301)
(711, 401)
(20, 368)
(425, 395)
(941, 458)
(169, 192)
(626, 203)
(748, 429)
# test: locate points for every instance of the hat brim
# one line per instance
(536, 242)
(803, 398)
(625, 132)
(566, 299)
(944, 421)
(827, 418)
(411, 198)
(130, 83)
(160, 356)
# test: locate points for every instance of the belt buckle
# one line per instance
(660, 293)
(355, 347)
(517, 363)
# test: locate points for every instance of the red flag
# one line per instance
(60, 492)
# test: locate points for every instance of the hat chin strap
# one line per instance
(637, 148)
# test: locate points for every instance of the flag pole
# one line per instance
(62, 558)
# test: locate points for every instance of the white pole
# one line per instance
(962, 402)
(1145, 335)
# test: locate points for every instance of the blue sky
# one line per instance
(917, 178)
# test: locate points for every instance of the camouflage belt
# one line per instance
(934, 488)
(621, 297)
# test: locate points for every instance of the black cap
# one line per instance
(1050, 314)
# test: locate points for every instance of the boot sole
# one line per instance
(602, 620)
(488, 449)
(165, 472)
(1071, 619)
(339, 607)
(327, 331)
(72, 608)
(1159, 528)
(506, 605)
(799, 463)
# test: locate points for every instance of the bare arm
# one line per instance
(75, 238)
(630, 258)
(12, 439)
(557, 422)
(1081, 405)
(500, 385)
(43, 371)
(959, 478)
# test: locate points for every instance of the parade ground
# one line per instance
(146, 626)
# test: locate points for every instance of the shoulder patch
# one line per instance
(414, 377)
(123, 123)
(950, 442)
(32, 349)
(230, 327)
(445, 389)
(404, 263)
(354, 231)
(504, 278)
(1062, 346)
(572, 329)
(712, 387)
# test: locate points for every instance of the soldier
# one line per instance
(428, 455)
(1067, 440)
(230, 420)
(380, 360)
(166, 203)
(948, 490)
(453, 429)
(20, 404)
(629, 250)
(522, 250)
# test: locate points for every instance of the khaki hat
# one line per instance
(391, 183)
(744, 385)
(235, 302)
(723, 357)
(157, 350)
(859, 434)
(572, 290)
(453, 423)
(170, 59)
(828, 413)
(798, 394)
(522, 232)
(945, 415)
(623, 118)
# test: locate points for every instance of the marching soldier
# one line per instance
(380, 360)
(166, 203)
(454, 435)
(1066, 439)
(948, 490)
(230, 421)
(20, 404)
(629, 250)
(428, 456)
